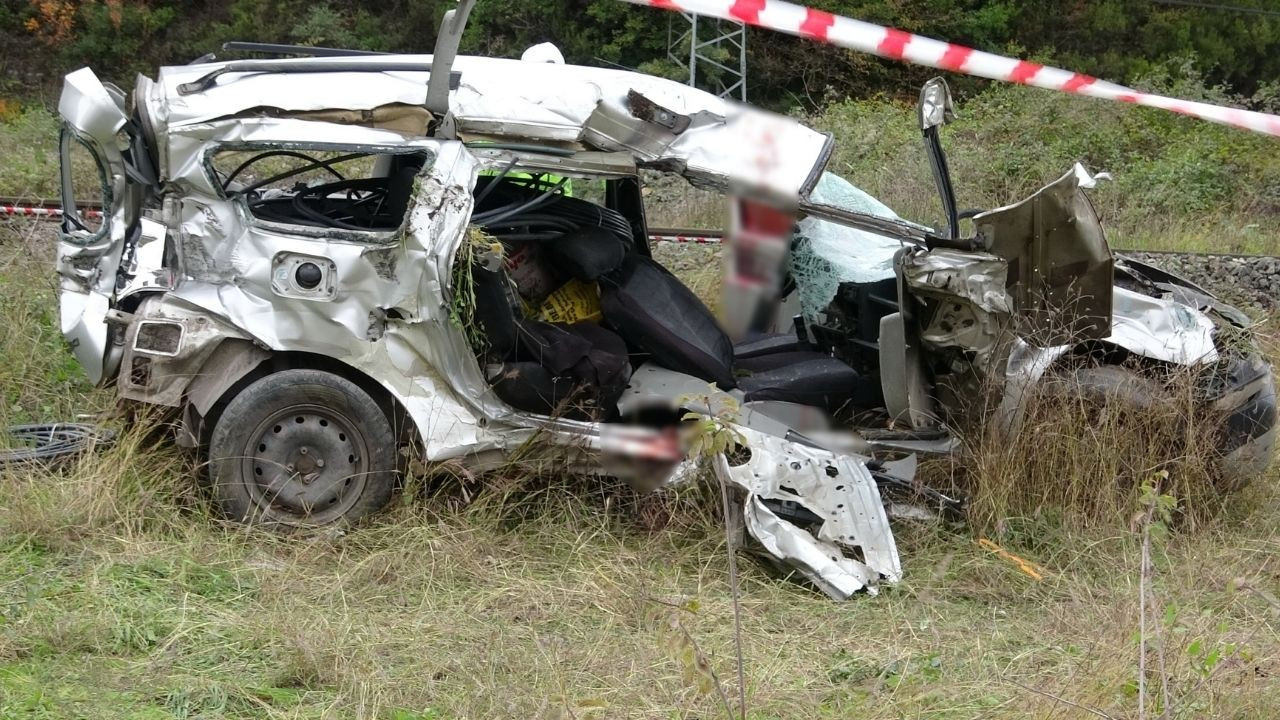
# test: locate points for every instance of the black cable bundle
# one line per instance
(535, 209)
(40, 443)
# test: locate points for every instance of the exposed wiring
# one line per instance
(274, 153)
(299, 170)
(376, 188)
(499, 214)
(494, 182)
(41, 443)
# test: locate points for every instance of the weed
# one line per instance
(1086, 442)
(477, 249)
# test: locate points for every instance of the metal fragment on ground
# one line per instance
(851, 549)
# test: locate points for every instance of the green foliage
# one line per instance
(1209, 186)
(477, 249)
(30, 168)
(711, 435)
(1116, 39)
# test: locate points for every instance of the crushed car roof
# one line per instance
(661, 122)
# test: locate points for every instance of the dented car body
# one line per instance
(290, 258)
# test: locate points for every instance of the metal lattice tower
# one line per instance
(711, 62)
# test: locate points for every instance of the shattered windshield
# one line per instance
(839, 193)
(826, 254)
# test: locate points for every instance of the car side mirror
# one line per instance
(935, 110)
(936, 107)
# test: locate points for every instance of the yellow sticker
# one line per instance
(575, 301)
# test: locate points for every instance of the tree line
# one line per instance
(1234, 43)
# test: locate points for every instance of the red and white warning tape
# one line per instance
(899, 45)
(708, 238)
(42, 212)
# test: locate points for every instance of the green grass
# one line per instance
(1179, 183)
(121, 596)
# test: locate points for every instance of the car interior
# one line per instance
(579, 302)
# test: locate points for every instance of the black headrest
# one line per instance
(588, 253)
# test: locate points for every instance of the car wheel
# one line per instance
(1109, 384)
(302, 448)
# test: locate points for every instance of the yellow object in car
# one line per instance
(575, 301)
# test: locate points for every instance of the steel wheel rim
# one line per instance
(305, 464)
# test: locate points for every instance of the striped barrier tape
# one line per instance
(42, 212)
(904, 46)
(708, 238)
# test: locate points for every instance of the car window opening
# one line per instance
(79, 163)
(574, 308)
(359, 191)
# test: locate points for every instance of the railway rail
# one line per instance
(21, 207)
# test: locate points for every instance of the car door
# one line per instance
(96, 146)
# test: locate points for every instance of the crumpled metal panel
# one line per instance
(228, 257)
(188, 144)
(164, 378)
(974, 302)
(1158, 328)
(1161, 329)
(1024, 367)
(539, 101)
(416, 353)
(86, 262)
(976, 277)
(853, 549)
(146, 271)
(1061, 283)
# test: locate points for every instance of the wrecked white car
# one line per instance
(319, 260)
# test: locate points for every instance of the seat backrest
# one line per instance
(494, 313)
(658, 315)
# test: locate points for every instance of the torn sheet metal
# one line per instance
(974, 305)
(978, 278)
(1161, 329)
(419, 356)
(1061, 267)
(88, 257)
(540, 101)
(1024, 367)
(853, 549)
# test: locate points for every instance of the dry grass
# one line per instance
(545, 596)
(120, 596)
(1083, 456)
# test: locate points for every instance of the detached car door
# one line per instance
(97, 146)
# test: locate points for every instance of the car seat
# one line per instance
(662, 318)
(578, 369)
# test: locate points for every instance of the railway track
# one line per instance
(21, 207)
(692, 236)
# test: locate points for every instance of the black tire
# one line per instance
(302, 448)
